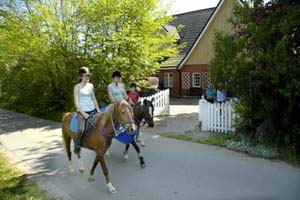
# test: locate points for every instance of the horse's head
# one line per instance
(148, 112)
(124, 115)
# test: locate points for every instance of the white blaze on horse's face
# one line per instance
(150, 111)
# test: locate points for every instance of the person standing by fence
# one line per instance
(210, 93)
(221, 96)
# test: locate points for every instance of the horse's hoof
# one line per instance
(111, 188)
(125, 157)
(138, 140)
(91, 179)
(142, 163)
(81, 170)
(113, 191)
(71, 171)
(107, 154)
(143, 144)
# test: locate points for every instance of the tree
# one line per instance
(260, 63)
(44, 42)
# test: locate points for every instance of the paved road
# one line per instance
(177, 170)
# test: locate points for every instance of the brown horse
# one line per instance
(99, 140)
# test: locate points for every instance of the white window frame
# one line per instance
(193, 80)
(168, 79)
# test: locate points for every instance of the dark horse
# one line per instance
(99, 140)
(143, 113)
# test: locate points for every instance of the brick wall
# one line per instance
(192, 69)
(175, 90)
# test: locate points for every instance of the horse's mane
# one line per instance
(107, 114)
(104, 116)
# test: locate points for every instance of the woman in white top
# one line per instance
(85, 102)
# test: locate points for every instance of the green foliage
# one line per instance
(260, 62)
(14, 185)
(43, 44)
(213, 139)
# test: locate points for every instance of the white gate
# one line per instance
(216, 117)
(161, 102)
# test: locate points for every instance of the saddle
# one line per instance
(73, 126)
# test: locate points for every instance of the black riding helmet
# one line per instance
(83, 70)
(132, 85)
(116, 74)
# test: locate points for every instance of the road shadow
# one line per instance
(39, 156)
(13, 121)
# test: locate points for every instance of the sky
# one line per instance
(181, 6)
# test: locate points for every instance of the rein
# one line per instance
(120, 130)
(122, 127)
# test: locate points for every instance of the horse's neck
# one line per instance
(139, 112)
(105, 120)
(108, 125)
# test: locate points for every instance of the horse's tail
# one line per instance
(66, 137)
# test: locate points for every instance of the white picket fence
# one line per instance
(161, 102)
(216, 117)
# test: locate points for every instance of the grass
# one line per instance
(287, 154)
(15, 186)
(215, 139)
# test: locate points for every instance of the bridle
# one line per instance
(123, 125)
(149, 110)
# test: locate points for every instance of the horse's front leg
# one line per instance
(110, 187)
(107, 153)
(71, 169)
(92, 171)
(81, 167)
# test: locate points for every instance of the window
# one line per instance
(196, 80)
(168, 79)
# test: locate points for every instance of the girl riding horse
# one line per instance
(102, 129)
(85, 103)
(99, 140)
(116, 91)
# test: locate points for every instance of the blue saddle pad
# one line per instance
(73, 126)
(123, 137)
